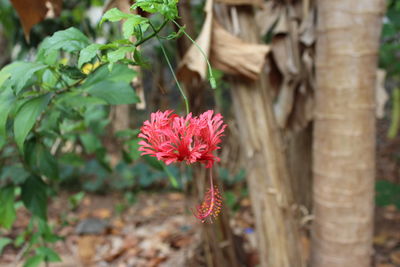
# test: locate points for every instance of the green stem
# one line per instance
(212, 79)
(172, 70)
(155, 33)
(171, 177)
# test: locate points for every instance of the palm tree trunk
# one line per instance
(344, 132)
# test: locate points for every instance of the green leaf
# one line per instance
(112, 86)
(48, 57)
(90, 142)
(46, 162)
(34, 261)
(168, 8)
(48, 254)
(7, 100)
(74, 99)
(119, 73)
(75, 200)
(34, 196)
(18, 73)
(69, 40)
(119, 54)
(87, 54)
(153, 162)
(114, 93)
(72, 159)
(4, 241)
(115, 14)
(3, 77)
(129, 25)
(133, 148)
(15, 174)
(7, 210)
(26, 117)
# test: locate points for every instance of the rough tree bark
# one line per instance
(344, 133)
(267, 172)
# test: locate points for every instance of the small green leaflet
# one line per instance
(87, 54)
(26, 117)
(167, 8)
(129, 25)
(115, 14)
(120, 53)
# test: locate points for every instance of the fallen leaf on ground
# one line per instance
(395, 257)
(87, 248)
(102, 213)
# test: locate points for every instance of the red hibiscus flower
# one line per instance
(172, 138)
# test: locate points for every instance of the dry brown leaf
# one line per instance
(245, 202)
(381, 95)
(282, 26)
(284, 102)
(87, 248)
(380, 239)
(102, 213)
(118, 250)
(34, 11)
(267, 16)
(176, 196)
(234, 56)
(282, 52)
(395, 257)
(303, 110)
(193, 64)
(306, 246)
(307, 29)
(241, 2)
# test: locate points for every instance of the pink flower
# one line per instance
(172, 138)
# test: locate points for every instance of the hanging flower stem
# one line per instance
(171, 69)
(211, 205)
